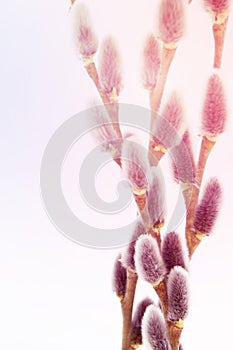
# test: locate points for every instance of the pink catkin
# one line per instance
(110, 67)
(84, 34)
(217, 6)
(156, 201)
(214, 110)
(148, 261)
(105, 133)
(136, 329)
(135, 164)
(151, 62)
(173, 111)
(119, 278)
(173, 251)
(183, 161)
(171, 20)
(178, 294)
(154, 331)
(208, 208)
(165, 130)
(128, 256)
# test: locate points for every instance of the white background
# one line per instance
(56, 294)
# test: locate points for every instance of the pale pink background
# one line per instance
(55, 294)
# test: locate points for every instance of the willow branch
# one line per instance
(192, 239)
(127, 308)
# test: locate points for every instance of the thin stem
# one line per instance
(156, 95)
(219, 32)
(174, 333)
(156, 234)
(112, 107)
(154, 155)
(113, 111)
(127, 308)
(141, 201)
(161, 290)
(191, 238)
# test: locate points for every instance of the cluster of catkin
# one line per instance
(159, 258)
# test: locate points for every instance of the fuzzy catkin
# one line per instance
(183, 161)
(178, 294)
(217, 6)
(154, 331)
(207, 210)
(173, 251)
(136, 329)
(84, 35)
(148, 261)
(105, 134)
(151, 62)
(214, 111)
(171, 21)
(167, 126)
(128, 255)
(156, 200)
(135, 164)
(119, 278)
(110, 67)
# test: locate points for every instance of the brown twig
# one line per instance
(174, 333)
(127, 308)
(155, 232)
(161, 290)
(219, 32)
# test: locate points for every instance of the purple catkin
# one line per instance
(148, 261)
(136, 329)
(178, 294)
(183, 161)
(151, 62)
(173, 252)
(214, 111)
(154, 333)
(166, 128)
(208, 208)
(128, 256)
(171, 20)
(105, 134)
(156, 201)
(84, 36)
(110, 67)
(217, 6)
(135, 164)
(119, 278)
